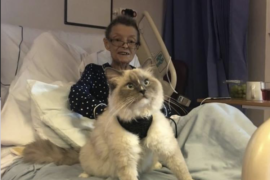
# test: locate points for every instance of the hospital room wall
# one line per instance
(259, 50)
(49, 14)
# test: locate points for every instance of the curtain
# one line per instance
(210, 37)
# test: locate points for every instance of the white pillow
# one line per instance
(10, 40)
(50, 105)
(39, 91)
(72, 127)
(48, 60)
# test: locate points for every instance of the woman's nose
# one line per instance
(125, 44)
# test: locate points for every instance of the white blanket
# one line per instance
(213, 138)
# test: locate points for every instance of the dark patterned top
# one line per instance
(89, 96)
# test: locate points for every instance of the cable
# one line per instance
(175, 127)
(19, 56)
(166, 112)
(168, 76)
(205, 100)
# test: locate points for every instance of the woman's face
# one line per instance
(122, 53)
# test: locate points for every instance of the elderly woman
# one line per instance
(88, 96)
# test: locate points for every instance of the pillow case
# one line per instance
(36, 90)
(10, 41)
(71, 127)
(52, 118)
(48, 60)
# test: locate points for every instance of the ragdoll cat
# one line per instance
(128, 137)
(132, 131)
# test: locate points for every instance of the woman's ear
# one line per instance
(106, 44)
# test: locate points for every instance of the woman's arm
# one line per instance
(81, 97)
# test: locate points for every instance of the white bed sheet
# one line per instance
(7, 158)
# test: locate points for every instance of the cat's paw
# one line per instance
(157, 165)
(83, 175)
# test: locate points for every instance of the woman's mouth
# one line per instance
(123, 53)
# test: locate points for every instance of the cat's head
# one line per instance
(134, 92)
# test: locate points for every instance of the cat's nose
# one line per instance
(142, 91)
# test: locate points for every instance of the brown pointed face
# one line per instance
(135, 88)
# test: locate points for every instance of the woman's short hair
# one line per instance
(124, 20)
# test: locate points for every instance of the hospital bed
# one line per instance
(46, 61)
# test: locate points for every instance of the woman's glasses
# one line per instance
(119, 43)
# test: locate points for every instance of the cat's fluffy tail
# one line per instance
(43, 151)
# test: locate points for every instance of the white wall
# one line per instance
(259, 50)
(49, 14)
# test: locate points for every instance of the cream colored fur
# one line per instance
(111, 151)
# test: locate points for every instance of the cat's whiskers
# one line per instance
(125, 110)
(174, 108)
(170, 98)
(124, 104)
(127, 102)
(174, 101)
(120, 104)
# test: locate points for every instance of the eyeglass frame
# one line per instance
(137, 44)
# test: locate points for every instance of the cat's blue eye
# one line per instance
(146, 82)
(130, 86)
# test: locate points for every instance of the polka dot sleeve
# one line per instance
(85, 97)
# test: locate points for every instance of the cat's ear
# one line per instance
(148, 65)
(112, 73)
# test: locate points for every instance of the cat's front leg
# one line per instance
(176, 163)
(172, 157)
(126, 157)
(84, 175)
(174, 160)
(127, 173)
(126, 166)
(162, 142)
